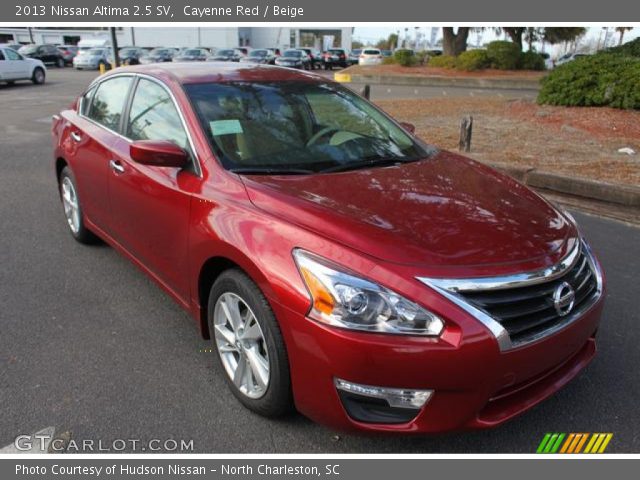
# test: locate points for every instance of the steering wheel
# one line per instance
(317, 136)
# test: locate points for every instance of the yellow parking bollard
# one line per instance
(102, 69)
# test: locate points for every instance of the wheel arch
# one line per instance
(211, 269)
(61, 163)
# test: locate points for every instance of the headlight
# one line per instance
(344, 300)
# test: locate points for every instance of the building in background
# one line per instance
(220, 37)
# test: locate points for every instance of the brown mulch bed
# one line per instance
(440, 72)
(576, 141)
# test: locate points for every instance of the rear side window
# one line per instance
(153, 116)
(1, 55)
(108, 102)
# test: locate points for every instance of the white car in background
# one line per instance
(14, 66)
(370, 56)
(569, 57)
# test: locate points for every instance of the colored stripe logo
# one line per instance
(574, 443)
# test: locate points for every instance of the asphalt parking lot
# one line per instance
(89, 345)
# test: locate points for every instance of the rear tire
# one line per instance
(73, 208)
(60, 63)
(38, 76)
(252, 342)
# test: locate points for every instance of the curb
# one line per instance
(435, 81)
(627, 195)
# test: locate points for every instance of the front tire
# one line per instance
(38, 76)
(73, 208)
(60, 63)
(251, 351)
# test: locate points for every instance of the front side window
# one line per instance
(153, 115)
(1, 56)
(298, 125)
(12, 55)
(85, 103)
(108, 102)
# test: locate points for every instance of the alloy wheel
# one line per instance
(70, 204)
(241, 345)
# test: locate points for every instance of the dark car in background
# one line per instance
(354, 56)
(159, 55)
(68, 53)
(131, 55)
(315, 56)
(335, 57)
(227, 55)
(276, 51)
(46, 53)
(294, 58)
(192, 55)
(12, 46)
(260, 55)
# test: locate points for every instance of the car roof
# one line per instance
(217, 72)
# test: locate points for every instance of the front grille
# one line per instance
(526, 312)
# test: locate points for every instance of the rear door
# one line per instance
(151, 205)
(88, 141)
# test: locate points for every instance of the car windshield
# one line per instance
(295, 127)
(193, 53)
(258, 53)
(95, 51)
(292, 53)
(356, 51)
(128, 51)
(372, 52)
(225, 53)
(159, 51)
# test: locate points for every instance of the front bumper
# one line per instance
(475, 385)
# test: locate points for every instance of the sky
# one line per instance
(373, 34)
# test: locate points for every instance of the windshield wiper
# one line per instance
(378, 162)
(270, 171)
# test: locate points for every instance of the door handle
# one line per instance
(116, 166)
(76, 136)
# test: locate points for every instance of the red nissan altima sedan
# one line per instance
(338, 263)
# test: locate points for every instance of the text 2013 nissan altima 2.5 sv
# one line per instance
(338, 263)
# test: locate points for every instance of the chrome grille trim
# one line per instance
(453, 288)
(509, 281)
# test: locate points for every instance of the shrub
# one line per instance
(503, 55)
(421, 57)
(406, 58)
(388, 60)
(472, 60)
(531, 61)
(443, 61)
(631, 48)
(595, 80)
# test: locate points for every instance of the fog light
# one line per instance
(395, 397)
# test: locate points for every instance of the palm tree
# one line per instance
(621, 31)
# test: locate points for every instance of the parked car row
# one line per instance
(100, 55)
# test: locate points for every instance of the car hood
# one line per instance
(445, 210)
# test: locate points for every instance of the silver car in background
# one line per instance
(92, 58)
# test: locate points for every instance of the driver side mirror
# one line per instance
(158, 153)
(409, 127)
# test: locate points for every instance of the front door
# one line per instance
(151, 205)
